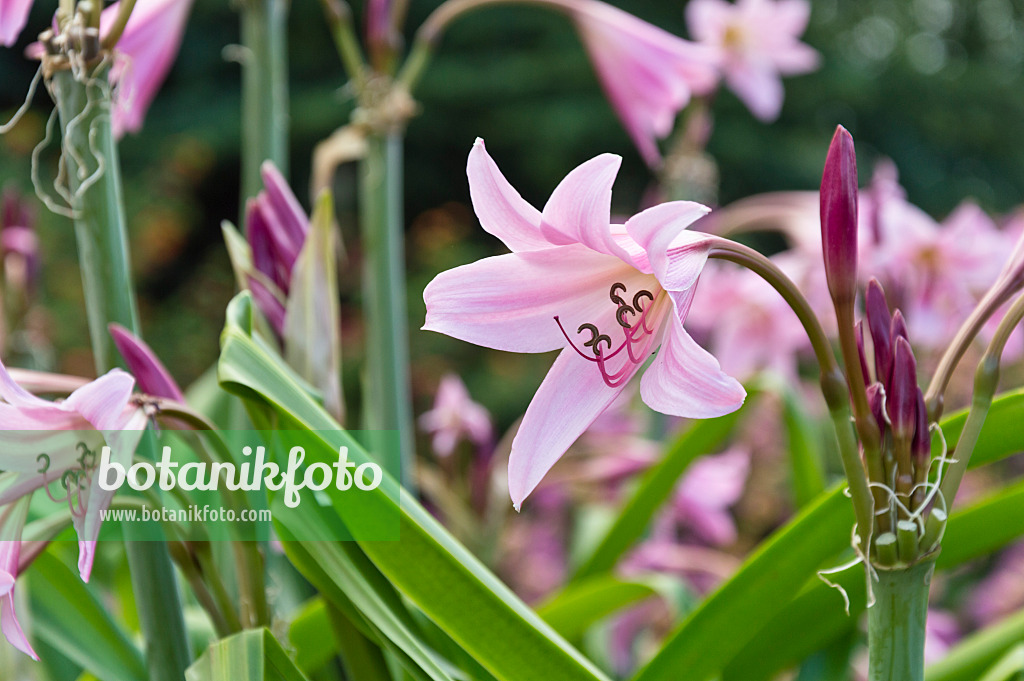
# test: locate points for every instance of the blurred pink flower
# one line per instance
(13, 16)
(454, 416)
(12, 520)
(647, 73)
(99, 412)
(707, 491)
(1001, 593)
(147, 49)
(152, 376)
(19, 242)
(755, 43)
(571, 271)
(941, 632)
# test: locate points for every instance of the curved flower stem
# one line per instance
(339, 19)
(896, 623)
(833, 384)
(100, 225)
(986, 380)
(264, 91)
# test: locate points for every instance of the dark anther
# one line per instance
(638, 299)
(73, 474)
(87, 454)
(45, 459)
(596, 338)
(614, 295)
(620, 319)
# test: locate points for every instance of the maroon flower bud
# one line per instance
(877, 312)
(902, 402)
(859, 333)
(898, 328)
(839, 217)
(874, 394)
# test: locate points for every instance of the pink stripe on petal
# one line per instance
(499, 207)
(571, 398)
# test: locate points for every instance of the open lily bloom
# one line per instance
(13, 16)
(147, 49)
(12, 520)
(756, 42)
(647, 73)
(607, 295)
(58, 443)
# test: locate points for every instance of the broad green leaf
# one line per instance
(710, 636)
(252, 655)
(804, 446)
(435, 572)
(311, 637)
(239, 253)
(1009, 668)
(1001, 434)
(655, 488)
(312, 329)
(361, 657)
(818, 611)
(969, 660)
(67, 615)
(581, 604)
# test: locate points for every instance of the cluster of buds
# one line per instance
(888, 404)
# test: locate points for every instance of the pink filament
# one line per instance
(619, 377)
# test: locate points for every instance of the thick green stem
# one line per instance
(264, 90)
(387, 405)
(896, 623)
(94, 182)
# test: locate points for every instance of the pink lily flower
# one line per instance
(13, 17)
(12, 520)
(647, 73)
(59, 442)
(147, 49)
(756, 42)
(454, 416)
(607, 295)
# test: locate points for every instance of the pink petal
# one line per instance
(287, 208)
(580, 207)
(509, 302)
(757, 86)
(15, 395)
(153, 377)
(571, 398)
(13, 17)
(500, 209)
(676, 255)
(104, 401)
(148, 47)
(686, 380)
(707, 19)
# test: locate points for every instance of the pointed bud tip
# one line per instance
(839, 216)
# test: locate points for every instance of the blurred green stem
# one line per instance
(896, 623)
(387, 403)
(264, 91)
(94, 182)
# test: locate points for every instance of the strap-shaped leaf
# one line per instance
(252, 655)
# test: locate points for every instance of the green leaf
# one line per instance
(67, 616)
(239, 253)
(574, 609)
(655, 487)
(804, 445)
(817, 613)
(251, 655)
(1001, 434)
(311, 637)
(769, 579)
(434, 571)
(1009, 668)
(312, 329)
(969, 660)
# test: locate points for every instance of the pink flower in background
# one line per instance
(941, 632)
(276, 228)
(71, 433)
(1001, 593)
(13, 16)
(147, 49)
(711, 486)
(454, 416)
(574, 282)
(152, 376)
(647, 73)
(755, 43)
(12, 520)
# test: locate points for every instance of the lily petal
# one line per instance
(686, 380)
(13, 17)
(509, 302)
(499, 207)
(580, 208)
(571, 398)
(102, 402)
(676, 256)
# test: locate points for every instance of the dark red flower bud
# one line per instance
(839, 217)
(898, 328)
(859, 333)
(877, 312)
(922, 445)
(902, 402)
(874, 394)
